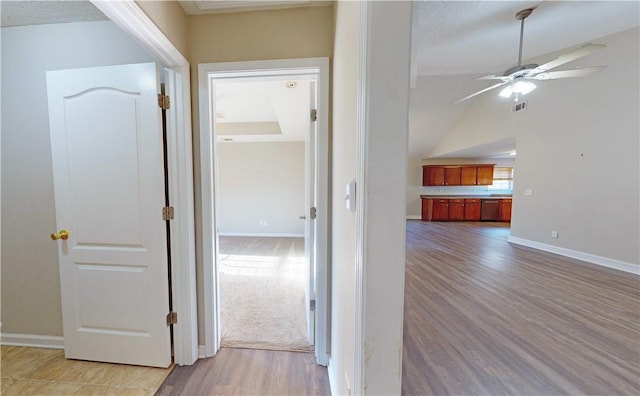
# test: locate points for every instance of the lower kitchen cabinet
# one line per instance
(440, 211)
(472, 209)
(462, 209)
(504, 214)
(456, 209)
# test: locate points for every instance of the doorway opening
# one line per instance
(264, 165)
(262, 128)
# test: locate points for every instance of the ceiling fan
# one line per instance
(516, 79)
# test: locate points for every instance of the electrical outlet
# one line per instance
(528, 192)
(554, 234)
(262, 223)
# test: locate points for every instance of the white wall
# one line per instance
(261, 182)
(382, 178)
(30, 280)
(343, 226)
(366, 354)
(577, 144)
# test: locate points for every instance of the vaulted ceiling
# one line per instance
(453, 43)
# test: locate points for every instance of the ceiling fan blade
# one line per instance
(566, 58)
(493, 77)
(482, 91)
(587, 71)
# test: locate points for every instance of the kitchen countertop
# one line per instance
(496, 196)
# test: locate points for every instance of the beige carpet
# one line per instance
(262, 293)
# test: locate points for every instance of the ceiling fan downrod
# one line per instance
(521, 16)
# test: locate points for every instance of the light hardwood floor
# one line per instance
(483, 317)
(38, 371)
(249, 372)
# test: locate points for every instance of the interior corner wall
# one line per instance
(171, 19)
(577, 145)
(30, 278)
(343, 224)
(261, 182)
(305, 32)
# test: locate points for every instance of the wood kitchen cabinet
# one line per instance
(462, 209)
(504, 213)
(427, 209)
(485, 175)
(452, 176)
(457, 175)
(440, 210)
(468, 175)
(433, 175)
(472, 209)
(456, 209)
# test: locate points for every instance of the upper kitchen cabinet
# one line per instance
(433, 175)
(485, 175)
(457, 175)
(469, 175)
(451, 176)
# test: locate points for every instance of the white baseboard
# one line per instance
(265, 235)
(414, 217)
(332, 379)
(202, 352)
(32, 340)
(590, 258)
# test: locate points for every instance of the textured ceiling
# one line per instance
(462, 37)
(22, 13)
(456, 41)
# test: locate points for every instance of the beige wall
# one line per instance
(261, 182)
(343, 226)
(170, 18)
(30, 280)
(259, 35)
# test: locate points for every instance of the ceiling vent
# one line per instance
(519, 106)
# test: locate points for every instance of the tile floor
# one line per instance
(37, 371)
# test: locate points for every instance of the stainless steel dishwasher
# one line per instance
(489, 210)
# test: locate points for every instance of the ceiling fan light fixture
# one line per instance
(506, 91)
(523, 87)
(519, 87)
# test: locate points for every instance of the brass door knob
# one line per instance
(63, 234)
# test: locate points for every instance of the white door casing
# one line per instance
(207, 74)
(107, 153)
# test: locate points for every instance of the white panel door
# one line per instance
(107, 150)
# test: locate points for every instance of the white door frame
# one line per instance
(130, 18)
(207, 72)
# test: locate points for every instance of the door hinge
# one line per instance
(314, 115)
(312, 213)
(164, 102)
(167, 213)
(172, 318)
(312, 305)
